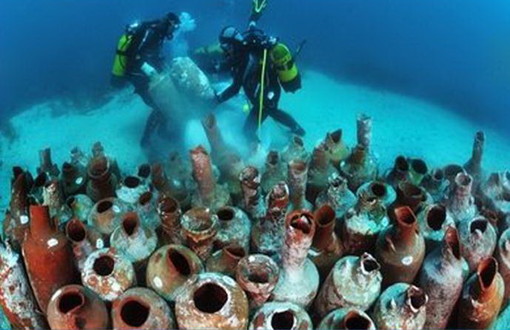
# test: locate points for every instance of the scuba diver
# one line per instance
(262, 66)
(211, 58)
(137, 58)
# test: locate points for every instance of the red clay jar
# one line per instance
(482, 297)
(48, 256)
(16, 298)
(76, 307)
(169, 267)
(281, 315)
(141, 308)
(400, 249)
(211, 300)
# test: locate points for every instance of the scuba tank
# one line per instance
(121, 54)
(280, 56)
(120, 60)
(288, 73)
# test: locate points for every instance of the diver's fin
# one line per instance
(259, 6)
(257, 9)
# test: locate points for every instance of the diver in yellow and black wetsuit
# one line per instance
(138, 56)
(262, 66)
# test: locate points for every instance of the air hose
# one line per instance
(262, 81)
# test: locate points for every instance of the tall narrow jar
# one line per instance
(299, 278)
(441, 277)
(48, 256)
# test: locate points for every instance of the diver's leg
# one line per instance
(251, 123)
(287, 120)
(153, 123)
(273, 98)
(157, 120)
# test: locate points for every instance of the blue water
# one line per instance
(453, 52)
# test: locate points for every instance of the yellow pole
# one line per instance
(262, 80)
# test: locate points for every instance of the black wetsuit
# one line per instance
(146, 47)
(246, 70)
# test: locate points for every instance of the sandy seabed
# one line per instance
(401, 125)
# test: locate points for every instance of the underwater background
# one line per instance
(454, 52)
(429, 73)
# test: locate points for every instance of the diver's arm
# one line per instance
(230, 91)
(150, 49)
(236, 85)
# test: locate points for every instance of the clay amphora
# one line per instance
(281, 315)
(326, 246)
(474, 165)
(252, 202)
(274, 172)
(108, 273)
(135, 242)
(268, 232)
(461, 203)
(84, 241)
(102, 182)
(299, 278)
(257, 274)
(384, 192)
(225, 260)
(441, 277)
(478, 239)
(336, 149)
(106, 215)
(131, 188)
(359, 168)
(347, 318)
(417, 170)
(436, 185)
(16, 298)
(141, 308)
(401, 306)
(320, 170)
(399, 172)
(170, 214)
(73, 178)
(209, 193)
(337, 195)
(211, 300)
(354, 282)
(76, 307)
(81, 206)
(234, 226)
(169, 267)
(481, 297)
(48, 256)
(401, 248)
(433, 222)
(199, 228)
(362, 224)
(297, 178)
(295, 151)
(503, 257)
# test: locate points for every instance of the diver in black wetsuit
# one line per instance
(245, 57)
(138, 57)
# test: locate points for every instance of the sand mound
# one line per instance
(402, 125)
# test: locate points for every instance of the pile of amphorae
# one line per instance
(311, 240)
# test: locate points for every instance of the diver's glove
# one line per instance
(148, 69)
(217, 98)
